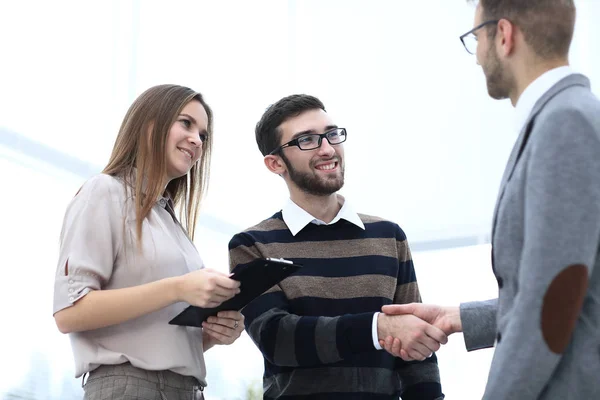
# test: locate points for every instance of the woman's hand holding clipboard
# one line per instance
(255, 278)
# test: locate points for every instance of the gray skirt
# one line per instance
(126, 382)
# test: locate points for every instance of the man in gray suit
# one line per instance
(545, 323)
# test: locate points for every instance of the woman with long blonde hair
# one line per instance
(127, 265)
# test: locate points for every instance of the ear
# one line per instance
(506, 36)
(275, 164)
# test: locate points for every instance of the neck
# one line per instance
(166, 181)
(530, 71)
(324, 208)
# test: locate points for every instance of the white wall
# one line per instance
(426, 145)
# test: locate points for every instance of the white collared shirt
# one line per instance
(535, 91)
(296, 218)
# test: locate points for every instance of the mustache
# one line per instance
(326, 160)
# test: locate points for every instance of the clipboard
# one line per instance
(255, 277)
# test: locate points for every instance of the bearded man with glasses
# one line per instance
(319, 330)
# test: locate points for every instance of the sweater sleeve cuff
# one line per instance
(354, 333)
(424, 390)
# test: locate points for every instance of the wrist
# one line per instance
(174, 288)
(453, 322)
(207, 341)
(381, 332)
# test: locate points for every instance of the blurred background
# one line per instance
(426, 148)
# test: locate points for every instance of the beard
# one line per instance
(313, 184)
(499, 82)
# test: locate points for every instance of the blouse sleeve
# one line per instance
(90, 239)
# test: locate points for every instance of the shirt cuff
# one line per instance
(374, 333)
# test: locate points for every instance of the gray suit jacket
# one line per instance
(546, 256)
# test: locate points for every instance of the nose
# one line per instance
(326, 149)
(195, 141)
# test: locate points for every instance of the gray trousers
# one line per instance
(126, 382)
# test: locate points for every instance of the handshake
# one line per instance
(414, 331)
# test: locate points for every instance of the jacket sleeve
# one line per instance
(478, 320)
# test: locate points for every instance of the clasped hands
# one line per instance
(414, 331)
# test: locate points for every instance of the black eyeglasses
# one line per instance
(469, 40)
(311, 141)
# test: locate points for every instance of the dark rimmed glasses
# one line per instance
(469, 39)
(311, 141)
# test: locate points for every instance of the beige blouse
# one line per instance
(98, 251)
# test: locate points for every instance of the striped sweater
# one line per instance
(314, 329)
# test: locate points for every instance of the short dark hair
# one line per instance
(547, 25)
(267, 129)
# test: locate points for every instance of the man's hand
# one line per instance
(447, 319)
(419, 339)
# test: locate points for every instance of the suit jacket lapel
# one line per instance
(510, 165)
(515, 155)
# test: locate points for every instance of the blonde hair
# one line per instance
(139, 153)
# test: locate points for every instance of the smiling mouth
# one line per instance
(186, 152)
(327, 167)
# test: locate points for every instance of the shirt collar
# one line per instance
(535, 91)
(162, 199)
(296, 218)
